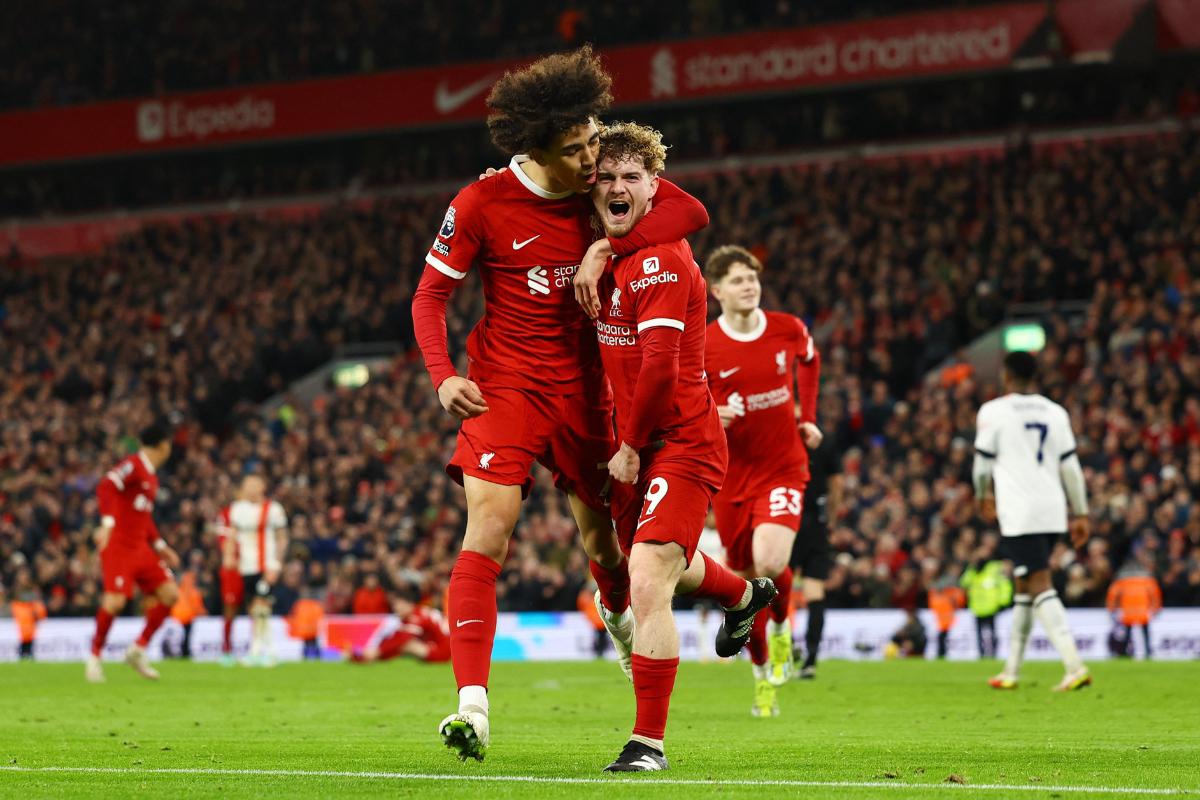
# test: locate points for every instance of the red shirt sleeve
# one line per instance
(112, 487)
(450, 257)
(429, 323)
(808, 374)
(674, 215)
(655, 384)
(659, 305)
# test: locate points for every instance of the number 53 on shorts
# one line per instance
(786, 502)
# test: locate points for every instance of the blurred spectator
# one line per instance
(189, 606)
(989, 591)
(945, 599)
(1134, 598)
(371, 598)
(910, 640)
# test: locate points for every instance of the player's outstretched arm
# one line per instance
(458, 395)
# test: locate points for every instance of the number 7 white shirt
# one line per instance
(1027, 437)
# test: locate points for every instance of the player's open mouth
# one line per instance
(618, 209)
(590, 178)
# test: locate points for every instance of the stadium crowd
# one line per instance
(896, 265)
(977, 104)
(70, 51)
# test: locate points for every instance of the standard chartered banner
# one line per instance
(853, 635)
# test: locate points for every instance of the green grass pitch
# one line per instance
(891, 729)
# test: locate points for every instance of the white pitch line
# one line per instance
(414, 776)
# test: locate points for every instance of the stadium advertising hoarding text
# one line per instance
(849, 634)
(931, 43)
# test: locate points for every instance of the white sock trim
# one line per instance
(657, 744)
(472, 698)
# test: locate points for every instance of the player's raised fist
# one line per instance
(462, 398)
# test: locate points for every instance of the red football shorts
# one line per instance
(138, 567)
(662, 508)
(779, 503)
(570, 435)
(232, 591)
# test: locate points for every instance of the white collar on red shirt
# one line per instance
(146, 460)
(760, 326)
(514, 166)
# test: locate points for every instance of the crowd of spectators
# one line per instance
(64, 52)
(853, 116)
(896, 266)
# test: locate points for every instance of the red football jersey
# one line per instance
(662, 286)
(126, 494)
(755, 372)
(526, 243)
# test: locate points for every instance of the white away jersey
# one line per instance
(255, 528)
(1028, 436)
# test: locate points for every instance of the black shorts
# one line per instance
(1029, 552)
(811, 554)
(257, 585)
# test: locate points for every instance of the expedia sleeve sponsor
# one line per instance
(650, 280)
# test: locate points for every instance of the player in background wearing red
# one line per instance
(232, 593)
(132, 554)
(534, 389)
(672, 453)
(416, 631)
(753, 358)
(253, 540)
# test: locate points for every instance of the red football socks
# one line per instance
(472, 617)
(155, 617)
(613, 585)
(757, 645)
(781, 606)
(653, 681)
(104, 621)
(227, 642)
(720, 584)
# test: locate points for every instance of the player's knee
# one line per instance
(771, 563)
(168, 594)
(649, 585)
(488, 534)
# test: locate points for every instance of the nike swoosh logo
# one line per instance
(725, 373)
(643, 522)
(462, 622)
(517, 246)
(446, 101)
